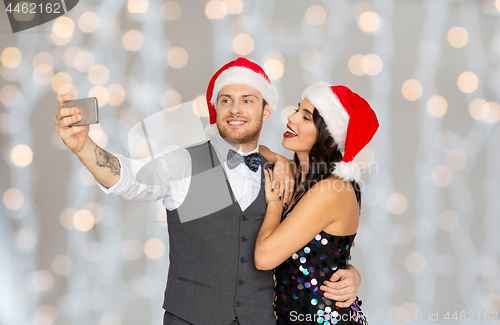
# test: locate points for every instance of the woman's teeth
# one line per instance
(290, 131)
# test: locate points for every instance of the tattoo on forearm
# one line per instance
(105, 159)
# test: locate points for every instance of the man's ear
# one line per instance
(267, 112)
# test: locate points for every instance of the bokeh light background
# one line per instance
(429, 234)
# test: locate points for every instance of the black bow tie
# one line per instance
(252, 160)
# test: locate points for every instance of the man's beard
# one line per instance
(250, 135)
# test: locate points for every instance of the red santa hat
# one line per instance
(239, 71)
(350, 120)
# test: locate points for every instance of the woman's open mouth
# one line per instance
(290, 133)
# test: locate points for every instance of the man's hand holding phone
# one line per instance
(74, 137)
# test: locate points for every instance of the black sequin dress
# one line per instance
(298, 299)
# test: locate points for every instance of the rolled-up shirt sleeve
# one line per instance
(166, 176)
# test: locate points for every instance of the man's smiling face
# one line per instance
(240, 113)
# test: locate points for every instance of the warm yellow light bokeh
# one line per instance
(98, 75)
(365, 158)
(83, 220)
(369, 21)
(116, 94)
(355, 65)
(315, 15)
(411, 89)
(243, 44)
(11, 57)
(137, 6)
(441, 176)
(216, 9)
(88, 22)
(468, 82)
(42, 280)
(170, 10)
(69, 56)
(494, 113)
(177, 57)
(13, 199)
(170, 98)
(62, 265)
(132, 249)
(9, 95)
(200, 107)
(62, 30)
(415, 262)
(101, 93)
(274, 69)
(154, 248)
(46, 314)
(132, 40)
(83, 61)
(397, 203)
(458, 37)
(437, 106)
(233, 7)
(66, 218)
(10, 74)
(43, 58)
(21, 155)
(479, 109)
(372, 64)
(59, 80)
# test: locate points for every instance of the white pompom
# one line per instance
(347, 171)
(211, 131)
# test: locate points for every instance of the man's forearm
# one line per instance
(104, 166)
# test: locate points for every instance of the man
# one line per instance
(212, 277)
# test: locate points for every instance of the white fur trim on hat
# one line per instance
(331, 110)
(347, 171)
(211, 131)
(240, 75)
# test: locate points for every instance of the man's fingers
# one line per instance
(345, 304)
(345, 283)
(64, 112)
(338, 292)
(67, 121)
(64, 98)
(73, 130)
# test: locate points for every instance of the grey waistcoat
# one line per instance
(212, 276)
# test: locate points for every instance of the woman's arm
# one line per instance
(325, 202)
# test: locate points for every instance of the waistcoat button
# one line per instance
(244, 218)
(243, 260)
(238, 304)
(240, 282)
(243, 239)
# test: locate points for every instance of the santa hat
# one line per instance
(239, 71)
(350, 121)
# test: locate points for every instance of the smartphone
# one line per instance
(88, 110)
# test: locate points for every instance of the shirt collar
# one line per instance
(222, 147)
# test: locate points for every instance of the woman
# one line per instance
(308, 241)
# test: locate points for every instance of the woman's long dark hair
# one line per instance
(322, 158)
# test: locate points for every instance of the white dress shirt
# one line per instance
(172, 177)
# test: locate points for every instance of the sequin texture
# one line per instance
(298, 299)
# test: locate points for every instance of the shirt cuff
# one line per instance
(125, 172)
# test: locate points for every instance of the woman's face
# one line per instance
(301, 132)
